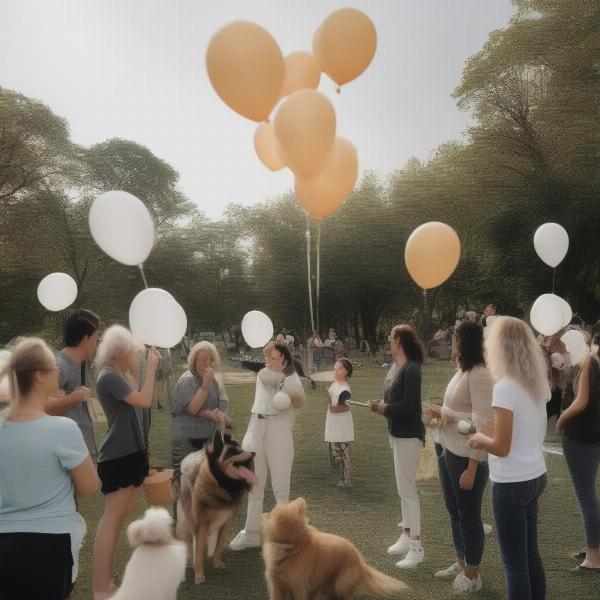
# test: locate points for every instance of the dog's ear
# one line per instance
(135, 533)
(227, 438)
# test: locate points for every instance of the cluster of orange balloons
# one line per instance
(249, 73)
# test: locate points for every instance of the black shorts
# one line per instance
(35, 566)
(124, 471)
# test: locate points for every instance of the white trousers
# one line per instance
(272, 441)
(407, 452)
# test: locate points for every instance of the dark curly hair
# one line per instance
(407, 337)
(469, 335)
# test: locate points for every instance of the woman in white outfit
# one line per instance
(269, 436)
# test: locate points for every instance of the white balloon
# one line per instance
(257, 328)
(122, 226)
(567, 312)
(576, 346)
(548, 314)
(4, 383)
(156, 318)
(551, 242)
(57, 291)
(281, 401)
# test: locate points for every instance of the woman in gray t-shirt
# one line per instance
(123, 458)
(199, 402)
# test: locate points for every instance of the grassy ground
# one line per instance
(368, 513)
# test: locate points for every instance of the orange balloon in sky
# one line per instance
(246, 68)
(305, 129)
(302, 71)
(322, 195)
(432, 254)
(267, 148)
(345, 44)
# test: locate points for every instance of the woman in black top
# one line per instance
(401, 405)
(580, 424)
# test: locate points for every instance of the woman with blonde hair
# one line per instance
(199, 403)
(123, 457)
(516, 461)
(44, 463)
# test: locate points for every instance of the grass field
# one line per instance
(368, 513)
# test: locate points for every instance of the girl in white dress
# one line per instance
(339, 426)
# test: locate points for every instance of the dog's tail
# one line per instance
(379, 584)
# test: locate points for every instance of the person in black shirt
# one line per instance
(401, 406)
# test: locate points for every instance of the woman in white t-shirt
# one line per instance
(44, 463)
(516, 460)
(270, 436)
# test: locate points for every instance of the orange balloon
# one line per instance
(345, 44)
(246, 68)
(302, 71)
(322, 195)
(267, 148)
(305, 130)
(432, 253)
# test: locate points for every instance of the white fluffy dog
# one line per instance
(157, 565)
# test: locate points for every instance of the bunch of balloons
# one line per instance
(550, 313)
(249, 73)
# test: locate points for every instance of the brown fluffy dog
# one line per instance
(303, 563)
(213, 483)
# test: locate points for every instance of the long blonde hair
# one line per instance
(116, 341)
(28, 356)
(210, 348)
(512, 351)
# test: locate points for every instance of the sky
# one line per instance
(135, 69)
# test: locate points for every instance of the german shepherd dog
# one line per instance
(214, 481)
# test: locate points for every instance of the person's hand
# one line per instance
(467, 480)
(433, 410)
(81, 394)
(228, 421)
(377, 406)
(477, 441)
(153, 359)
(208, 378)
(560, 423)
(213, 414)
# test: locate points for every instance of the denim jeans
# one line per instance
(464, 506)
(583, 461)
(515, 512)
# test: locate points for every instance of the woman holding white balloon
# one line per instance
(278, 395)
(123, 457)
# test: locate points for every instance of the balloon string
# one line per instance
(553, 276)
(141, 268)
(310, 300)
(318, 269)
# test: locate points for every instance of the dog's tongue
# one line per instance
(248, 475)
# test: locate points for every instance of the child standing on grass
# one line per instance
(339, 426)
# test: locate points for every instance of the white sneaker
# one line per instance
(402, 546)
(415, 555)
(487, 529)
(244, 540)
(463, 585)
(450, 573)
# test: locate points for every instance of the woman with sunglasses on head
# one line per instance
(44, 463)
(270, 436)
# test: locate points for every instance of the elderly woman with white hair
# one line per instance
(123, 457)
(199, 402)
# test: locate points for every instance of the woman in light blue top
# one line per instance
(44, 462)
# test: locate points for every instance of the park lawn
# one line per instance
(368, 513)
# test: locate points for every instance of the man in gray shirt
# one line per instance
(81, 339)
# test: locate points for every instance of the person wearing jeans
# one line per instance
(516, 460)
(402, 408)
(580, 424)
(464, 471)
